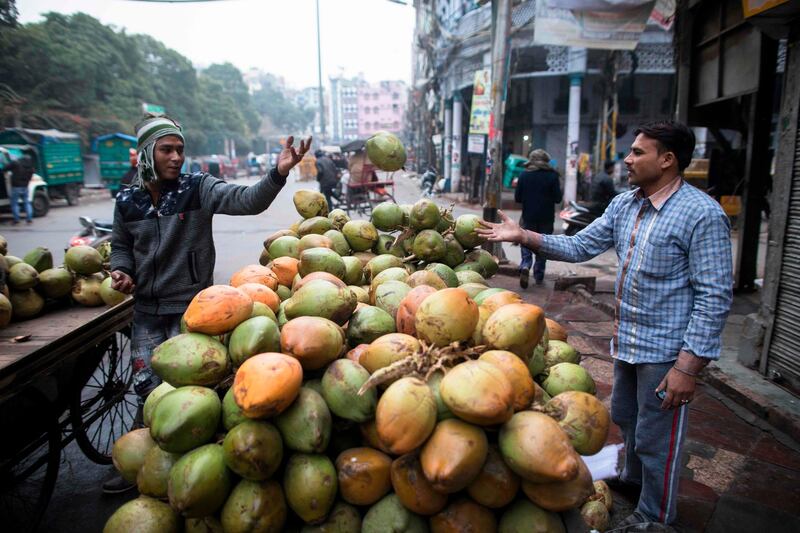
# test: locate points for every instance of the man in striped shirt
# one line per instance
(673, 294)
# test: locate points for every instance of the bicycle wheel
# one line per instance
(104, 408)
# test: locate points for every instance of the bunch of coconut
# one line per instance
(32, 281)
(339, 408)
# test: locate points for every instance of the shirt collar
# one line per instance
(660, 197)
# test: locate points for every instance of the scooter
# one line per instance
(431, 184)
(576, 217)
(95, 233)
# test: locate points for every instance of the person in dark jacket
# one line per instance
(327, 176)
(162, 249)
(538, 190)
(603, 188)
(21, 174)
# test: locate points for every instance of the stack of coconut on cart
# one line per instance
(365, 377)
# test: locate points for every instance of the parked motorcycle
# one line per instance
(431, 184)
(577, 216)
(94, 233)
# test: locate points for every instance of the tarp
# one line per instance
(614, 29)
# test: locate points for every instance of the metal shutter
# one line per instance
(784, 349)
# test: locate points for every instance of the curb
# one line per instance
(778, 417)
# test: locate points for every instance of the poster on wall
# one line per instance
(481, 103)
(754, 7)
(476, 143)
(558, 22)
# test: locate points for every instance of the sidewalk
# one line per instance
(739, 473)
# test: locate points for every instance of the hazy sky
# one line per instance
(278, 36)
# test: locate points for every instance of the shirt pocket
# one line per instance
(663, 259)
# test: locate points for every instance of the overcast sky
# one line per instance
(278, 36)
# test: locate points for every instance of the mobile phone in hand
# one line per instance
(661, 394)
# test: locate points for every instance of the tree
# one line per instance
(283, 113)
(8, 13)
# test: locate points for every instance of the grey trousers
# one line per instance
(148, 332)
(654, 437)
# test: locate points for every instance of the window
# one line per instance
(395, 108)
(375, 110)
(366, 111)
(395, 96)
(367, 125)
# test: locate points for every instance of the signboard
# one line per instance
(436, 139)
(619, 29)
(754, 7)
(152, 108)
(481, 103)
(476, 144)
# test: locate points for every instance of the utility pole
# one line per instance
(576, 65)
(319, 77)
(501, 27)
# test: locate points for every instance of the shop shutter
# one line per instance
(784, 349)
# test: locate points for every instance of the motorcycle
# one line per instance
(577, 216)
(94, 233)
(431, 184)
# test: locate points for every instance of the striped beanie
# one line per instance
(148, 131)
(154, 127)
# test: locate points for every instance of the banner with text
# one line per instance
(481, 103)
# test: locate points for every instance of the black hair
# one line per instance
(672, 137)
(609, 164)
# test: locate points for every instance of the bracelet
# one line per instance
(683, 371)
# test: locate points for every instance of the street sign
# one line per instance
(475, 144)
(152, 108)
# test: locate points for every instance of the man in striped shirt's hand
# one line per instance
(673, 293)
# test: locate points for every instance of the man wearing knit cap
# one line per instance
(162, 249)
(538, 190)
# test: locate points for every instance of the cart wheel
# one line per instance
(27, 481)
(104, 409)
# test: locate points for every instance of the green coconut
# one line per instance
(386, 151)
(83, 260)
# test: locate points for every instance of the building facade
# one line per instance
(381, 106)
(344, 108)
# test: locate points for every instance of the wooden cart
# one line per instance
(65, 375)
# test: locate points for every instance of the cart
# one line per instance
(361, 196)
(64, 376)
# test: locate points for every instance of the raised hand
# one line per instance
(289, 157)
(506, 230)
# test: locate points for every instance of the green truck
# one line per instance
(113, 151)
(57, 157)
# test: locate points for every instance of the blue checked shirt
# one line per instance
(674, 284)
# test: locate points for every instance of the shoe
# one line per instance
(14, 222)
(116, 484)
(539, 281)
(629, 490)
(636, 523)
(523, 279)
(29, 221)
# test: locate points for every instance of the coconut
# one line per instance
(496, 485)
(310, 203)
(447, 274)
(364, 475)
(362, 295)
(389, 295)
(367, 324)
(406, 415)
(310, 483)
(595, 515)
(378, 264)
(478, 392)
(199, 482)
(413, 490)
(426, 277)
(153, 476)
(185, 418)
(340, 384)
(314, 225)
(464, 515)
(361, 235)
(312, 340)
(86, 290)
(566, 377)
(83, 260)
(278, 234)
(446, 316)
(322, 298)
(299, 282)
(22, 276)
(516, 327)
(521, 516)
(306, 424)
(583, 418)
(129, 452)
(343, 518)
(254, 506)
(472, 289)
(387, 216)
(429, 246)
(6, 310)
(25, 304)
(339, 218)
(465, 231)
(517, 374)
(255, 335)
(152, 400)
(557, 331)
(338, 241)
(144, 515)
(601, 489)
(560, 352)
(424, 215)
(485, 259)
(313, 240)
(558, 496)
(253, 449)
(3, 245)
(232, 414)
(353, 270)
(192, 359)
(285, 246)
(388, 349)
(39, 258)
(385, 245)
(453, 456)
(110, 297)
(407, 310)
(386, 151)
(321, 260)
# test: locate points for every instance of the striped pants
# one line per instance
(654, 437)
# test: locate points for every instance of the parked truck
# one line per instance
(57, 158)
(114, 153)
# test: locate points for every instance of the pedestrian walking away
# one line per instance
(538, 190)
(327, 176)
(673, 294)
(21, 174)
(162, 249)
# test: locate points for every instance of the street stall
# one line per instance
(64, 376)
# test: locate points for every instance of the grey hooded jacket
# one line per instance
(168, 249)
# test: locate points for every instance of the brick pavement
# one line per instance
(739, 474)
